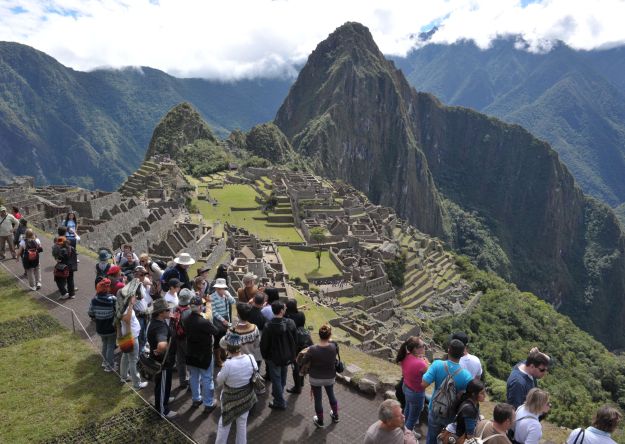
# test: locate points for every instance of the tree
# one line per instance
(318, 236)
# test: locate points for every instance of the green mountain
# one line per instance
(92, 128)
(575, 100)
(355, 114)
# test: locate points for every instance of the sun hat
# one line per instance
(104, 255)
(220, 283)
(249, 277)
(159, 306)
(185, 296)
(203, 269)
(184, 259)
(140, 268)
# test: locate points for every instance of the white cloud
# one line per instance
(250, 38)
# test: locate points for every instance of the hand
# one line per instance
(225, 323)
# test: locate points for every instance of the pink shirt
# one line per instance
(413, 369)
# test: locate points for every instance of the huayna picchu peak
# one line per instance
(355, 115)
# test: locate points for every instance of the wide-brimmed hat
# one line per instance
(184, 297)
(159, 306)
(140, 269)
(104, 255)
(184, 259)
(203, 269)
(220, 283)
(249, 277)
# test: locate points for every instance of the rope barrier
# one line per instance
(82, 327)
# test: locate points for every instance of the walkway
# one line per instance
(264, 426)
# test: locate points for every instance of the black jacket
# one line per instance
(278, 341)
(257, 318)
(199, 336)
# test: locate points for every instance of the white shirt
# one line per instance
(23, 243)
(591, 436)
(143, 304)
(135, 328)
(528, 430)
(472, 364)
(237, 371)
(171, 299)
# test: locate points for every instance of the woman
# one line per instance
(468, 409)
(237, 396)
(65, 255)
(29, 249)
(320, 360)
(247, 332)
(527, 427)
(16, 213)
(71, 224)
(300, 321)
(153, 268)
(605, 422)
(221, 273)
(413, 367)
(130, 323)
(20, 232)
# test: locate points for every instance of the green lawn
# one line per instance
(303, 264)
(51, 385)
(242, 196)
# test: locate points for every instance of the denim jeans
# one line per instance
(414, 405)
(277, 375)
(129, 365)
(143, 334)
(224, 430)
(203, 377)
(318, 395)
(108, 349)
(436, 424)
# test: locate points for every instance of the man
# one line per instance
(249, 289)
(220, 301)
(503, 419)
(256, 316)
(178, 271)
(199, 338)
(121, 256)
(142, 306)
(162, 341)
(8, 222)
(437, 373)
(525, 375)
(181, 312)
(272, 296)
(390, 428)
(468, 361)
(277, 347)
(171, 297)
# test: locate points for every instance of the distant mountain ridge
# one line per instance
(575, 100)
(93, 128)
(354, 113)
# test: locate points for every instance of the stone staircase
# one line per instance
(144, 178)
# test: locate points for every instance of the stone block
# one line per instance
(367, 386)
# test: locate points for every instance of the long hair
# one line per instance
(408, 347)
(472, 392)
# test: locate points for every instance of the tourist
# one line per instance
(162, 342)
(29, 249)
(468, 361)
(128, 266)
(103, 265)
(199, 355)
(143, 304)
(277, 347)
(71, 224)
(238, 395)
(249, 289)
(181, 312)
(248, 333)
(436, 373)
(16, 213)
(20, 232)
(118, 280)
(467, 410)
(527, 427)
(7, 224)
(178, 271)
(413, 367)
(221, 301)
(102, 310)
(153, 268)
(390, 427)
(121, 255)
(202, 277)
(129, 323)
(320, 359)
(221, 273)
(272, 296)
(256, 316)
(171, 297)
(299, 318)
(65, 256)
(605, 422)
(497, 429)
(525, 375)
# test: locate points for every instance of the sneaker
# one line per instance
(293, 391)
(33, 288)
(108, 369)
(317, 422)
(210, 408)
(141, 385)
(171, 399)
(171, 414)
(72, 296)
(38, 286)
(335, 418)
(196, 403)
(273, 406)
(103, 364)
(64, 296)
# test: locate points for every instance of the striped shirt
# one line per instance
(220, 306)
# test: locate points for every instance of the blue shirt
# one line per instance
(436, 374)
(517, 386)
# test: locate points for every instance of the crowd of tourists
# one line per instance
(155, 313)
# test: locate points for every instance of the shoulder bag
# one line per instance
(256, 379)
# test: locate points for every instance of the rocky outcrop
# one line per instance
(267, 141)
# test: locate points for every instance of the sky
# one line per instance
(236, 39)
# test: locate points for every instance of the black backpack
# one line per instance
(302, 338)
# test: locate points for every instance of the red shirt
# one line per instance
(413, 369)
(17, 215)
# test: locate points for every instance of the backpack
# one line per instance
(32, 252)
(162, 265)
(168, 274)
(302, 338)
(177, 319)
(480, 440)
(99, 272)
(444, 400)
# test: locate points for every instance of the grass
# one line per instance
(348, 299)
(51, 385)
(255, 221)
(303, 264)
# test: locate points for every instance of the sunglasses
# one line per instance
(543, 369)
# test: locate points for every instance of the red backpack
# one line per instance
(32, 251)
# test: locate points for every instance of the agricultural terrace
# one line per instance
(303, 264)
